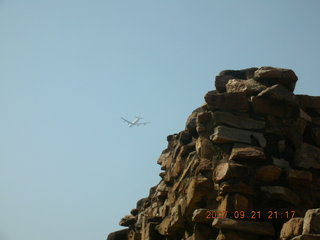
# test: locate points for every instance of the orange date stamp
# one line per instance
(266, 214)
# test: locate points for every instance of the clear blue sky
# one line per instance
(69, 69)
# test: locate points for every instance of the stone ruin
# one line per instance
(247, 166)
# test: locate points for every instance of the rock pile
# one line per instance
(247, 166)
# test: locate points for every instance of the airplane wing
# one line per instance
(126, 120)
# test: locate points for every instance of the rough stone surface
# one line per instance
(281, 193)
(242, 152)
(118, 235)
(249, 86)
(291, 228)
(268, 173)
(253, 146)
(224, 134)
(237, 121)
(227, 101)
(308, 156)
(311, 224)
(270, 76)
(260, 228)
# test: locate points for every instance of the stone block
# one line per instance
(261, 105)
(225, 171)
(224, 76)
(249, 87)
(291, 228)
(259, 228)
(270, 76)
(224, 134)
(204, 148)
(119, 235)
(299, 177)
(268, 173)
(241, 203)
(311, 224)
(237, 121)
(226, 101)
(306, 101)
(201, 215)
(278, 93)
(239, 187)
(307, 237)
(127, 220)
(307, 156)
(281, 193)
(280, 162)
(243, 152)
(315, 134)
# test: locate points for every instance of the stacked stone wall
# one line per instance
(246, 166)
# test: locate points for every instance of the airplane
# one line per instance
(135, 122)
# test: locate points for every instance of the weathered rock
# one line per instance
(299, 178)
(311, 224)
(134, 235)
(291, 228)
(279, 94)
(262, 105)
(119, 235)
(315, 133)
(308, 156)
(225, 205)
(316, 121)
(237, 121)
(281, 193)
(224, 76)
(198, 188)
(235, 188)
(305, 115)
(260, 228)
(281, 163)
(224, 134)
(249, 87)
(204, 148)
(241, 203)
(226, 101)
(230, 156)
(225, 171)
(202, 215)
(306, 101)
(227, 234)
(270, 76)
(243, 152)
(268, 173)
(307, 237)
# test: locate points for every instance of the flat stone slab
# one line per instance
(266, 106)
(279, 93)
(227, 101)
(260, 228)
(307, 237)
(271, 75)
(237, 121)
(224, 134)
(225, 171)
(268, 173)
(281, 193)
(308, 156)
(292, 228)
(311, 224)
(249, 87)
(202, 215)
(244, 152)
(306, 101)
